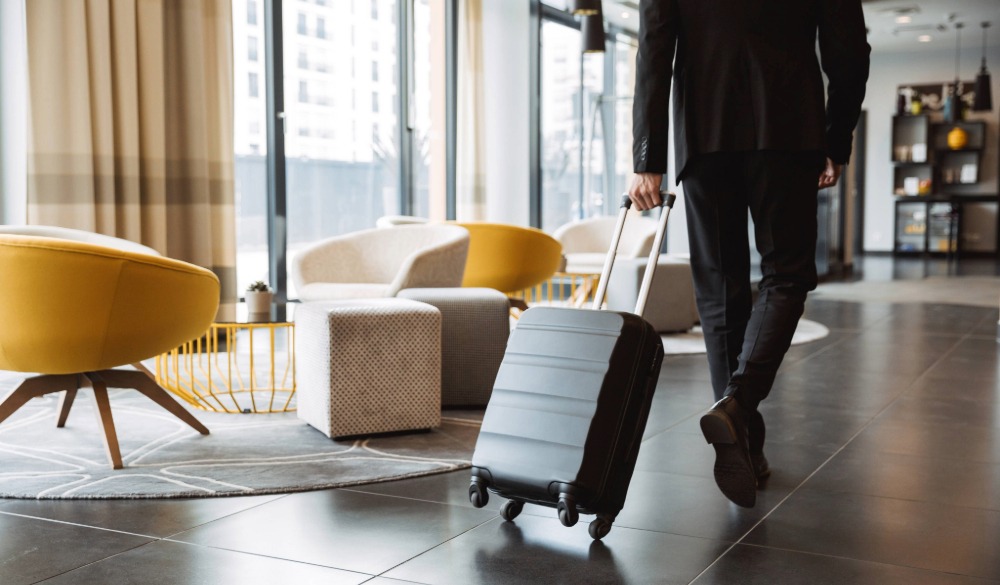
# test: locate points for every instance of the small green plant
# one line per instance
(258, 286)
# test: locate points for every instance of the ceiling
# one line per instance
(935, 18)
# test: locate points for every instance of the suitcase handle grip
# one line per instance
(647, 280)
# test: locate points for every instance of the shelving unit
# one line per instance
(932, 182)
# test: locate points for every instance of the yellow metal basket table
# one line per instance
(241, 366)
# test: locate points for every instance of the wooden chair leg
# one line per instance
(32, 388)
(105, 419)
(143, 383)
(65, 404)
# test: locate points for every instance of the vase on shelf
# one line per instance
(958, 138)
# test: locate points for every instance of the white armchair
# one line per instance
(586, 242)
(379, 262)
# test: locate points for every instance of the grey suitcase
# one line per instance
(569, 405)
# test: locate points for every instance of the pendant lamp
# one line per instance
(592, 27)
(953, 103)
(585, 7)
(984, 91)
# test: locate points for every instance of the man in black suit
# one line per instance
(751, 132)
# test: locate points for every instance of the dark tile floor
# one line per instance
(884, 438)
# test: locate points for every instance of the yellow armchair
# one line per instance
(74, 311)
(509, 258)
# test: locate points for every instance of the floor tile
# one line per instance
(367, 533)
(157, 518)
(975, 358)
(852, 392)
(753, 565)
(959, 409)
(689, 506)
(32, 550)
(926, 439)
(173, 563)
(911, 477)
(444, 488)
(533, 550)
(946, 387)
(384, 581)
(841, 316)
(923, 535)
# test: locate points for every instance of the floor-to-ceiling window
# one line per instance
(583, 98)
(359, 77)
(250, 142)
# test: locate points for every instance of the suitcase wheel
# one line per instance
(599, 528)
(478, 494)
(511, 509)
(567, 510)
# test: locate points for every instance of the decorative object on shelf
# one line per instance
(958, 138)
(259, 296)
(984, 93)
(593, 33)
(924, 187)
(916, 108)
(969, 173)
(585, 7)
(918, 152)
(952, 104)
(932, 96)
(911, 186)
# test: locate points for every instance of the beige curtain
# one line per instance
(131, 125)
(470, 148)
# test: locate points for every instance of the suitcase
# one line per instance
(569, 406)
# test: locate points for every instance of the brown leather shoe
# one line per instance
(725, 428)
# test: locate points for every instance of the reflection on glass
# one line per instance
(340, 137)
(421, 107)
(625, 51)
(250, 144)
(560, 125)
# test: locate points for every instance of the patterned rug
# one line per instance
(243, 455)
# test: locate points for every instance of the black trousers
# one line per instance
(747, 340)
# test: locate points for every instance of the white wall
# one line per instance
(13, 114)
(932, 65)
(507, 63)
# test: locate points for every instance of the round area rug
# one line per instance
(694, 342)
(244, 454)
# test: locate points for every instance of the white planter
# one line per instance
(259, 302)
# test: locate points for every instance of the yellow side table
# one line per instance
(572, 289)
(242, 366)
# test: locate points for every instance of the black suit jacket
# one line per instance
(746, 77)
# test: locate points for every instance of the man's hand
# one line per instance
(645, 191)
(830, 175)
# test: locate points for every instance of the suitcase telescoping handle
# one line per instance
(654, 254)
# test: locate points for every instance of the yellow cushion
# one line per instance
(68, 307)
(509, 258)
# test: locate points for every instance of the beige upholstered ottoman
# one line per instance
(475, 325)
(671, 305)
(368, 366)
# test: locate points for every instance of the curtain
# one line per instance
(471, 150)
(131, 125)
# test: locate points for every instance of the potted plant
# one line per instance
(259, 297)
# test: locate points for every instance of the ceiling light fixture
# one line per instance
(592, 27)
(585, 7)
(903, 20)
(925, 38)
